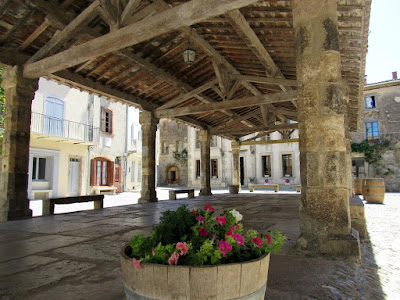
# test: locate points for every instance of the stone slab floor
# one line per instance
(76, 255)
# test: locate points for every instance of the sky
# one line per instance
(383, 55)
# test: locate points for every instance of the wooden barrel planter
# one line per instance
(247, 280)
(358, 185)
(374, 190)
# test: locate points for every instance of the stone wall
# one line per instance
(172, 132)
(387, 114)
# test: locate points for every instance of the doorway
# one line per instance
(73, 183)
(172, 175)
(241, 170)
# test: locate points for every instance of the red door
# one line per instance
(117, 178)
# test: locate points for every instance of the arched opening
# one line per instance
(172, 175)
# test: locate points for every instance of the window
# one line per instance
(214, 168)
(372, 131)
(197, 140)
(369, 102)
(287, 165)
(102, 172)
(39, 168)
(179, 146)
(197, 168)
(214, 141)
(106, 120)
(164, 147)
(266, 165)
(179, 125)
(165, 126)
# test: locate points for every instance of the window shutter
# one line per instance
(111, 121)
(92, 171)
(103, 120)
(110, 173)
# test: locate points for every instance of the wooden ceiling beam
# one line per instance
(128, 10)
(231, 104)
(183, 15)
(245, 131)
(34, 35)
(266, 80)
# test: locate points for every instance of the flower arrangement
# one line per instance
(197, 237)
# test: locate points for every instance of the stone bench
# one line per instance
(48, 204)
(172, 193)
(298, 188)
(98, 190)
(264, 186)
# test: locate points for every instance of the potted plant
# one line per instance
(196, 255)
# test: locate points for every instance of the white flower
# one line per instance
(237, 215)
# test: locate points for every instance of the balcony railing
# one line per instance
(51, 126)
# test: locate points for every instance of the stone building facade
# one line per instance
(380, 121)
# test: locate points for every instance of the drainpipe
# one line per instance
(88, 177)
(124, 183)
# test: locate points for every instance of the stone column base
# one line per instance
(205, 192)
(357, 213)
(346, 246)
(18, 214)
(234, 189)
(148, 199)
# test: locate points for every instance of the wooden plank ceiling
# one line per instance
(243, 79)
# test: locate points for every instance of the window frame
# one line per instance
(375, 137)
(36, 174)
(106, 127)
(164, 147)
(374, 98)
(198, 168)
(106, 172)
(283, 164)
(214, 167)
(263, 166)
(214, 141)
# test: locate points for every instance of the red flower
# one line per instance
(209, 208)
(194, 212)
(258, 242)
(221, 220)
(230, 231)
(203, 232)
(268, 238)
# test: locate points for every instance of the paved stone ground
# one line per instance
(76, 256)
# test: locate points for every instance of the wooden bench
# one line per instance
(298, 188)
(172, 193)
(264, 186)
(48, 204)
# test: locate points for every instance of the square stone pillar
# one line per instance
(149, 128)
(236, 163)
(205, 176)
(19, 93)
(324, 157)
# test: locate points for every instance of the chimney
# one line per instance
(394, 75)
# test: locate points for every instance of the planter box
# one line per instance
(247, 280)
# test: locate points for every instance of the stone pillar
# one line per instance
(324, 210)
(149, 128)
(19, 93)
(205, 176)
(236, 164)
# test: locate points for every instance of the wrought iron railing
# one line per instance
(52, 126)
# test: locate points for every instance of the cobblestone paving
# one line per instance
(76, 256)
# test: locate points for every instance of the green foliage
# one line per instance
(221, 240)
(372, 151)
(175, 226)
(180, 157)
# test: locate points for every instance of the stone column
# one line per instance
(205, 176)
(19, 93)
(236, 164)
(149, 128)
(324, 210)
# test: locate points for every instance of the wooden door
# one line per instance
(117, 177)
(172, 175)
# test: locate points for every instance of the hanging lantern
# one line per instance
(189, 53)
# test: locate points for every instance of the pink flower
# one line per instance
(183, 247)
(224, 247)
(173, 260)
(214, 237)
(209, 208)
(203, 232)
(153, 252)
(200, 219)
(268, 238)
(221, 220)
(258, 242)
(136, 263)
(238, 238)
